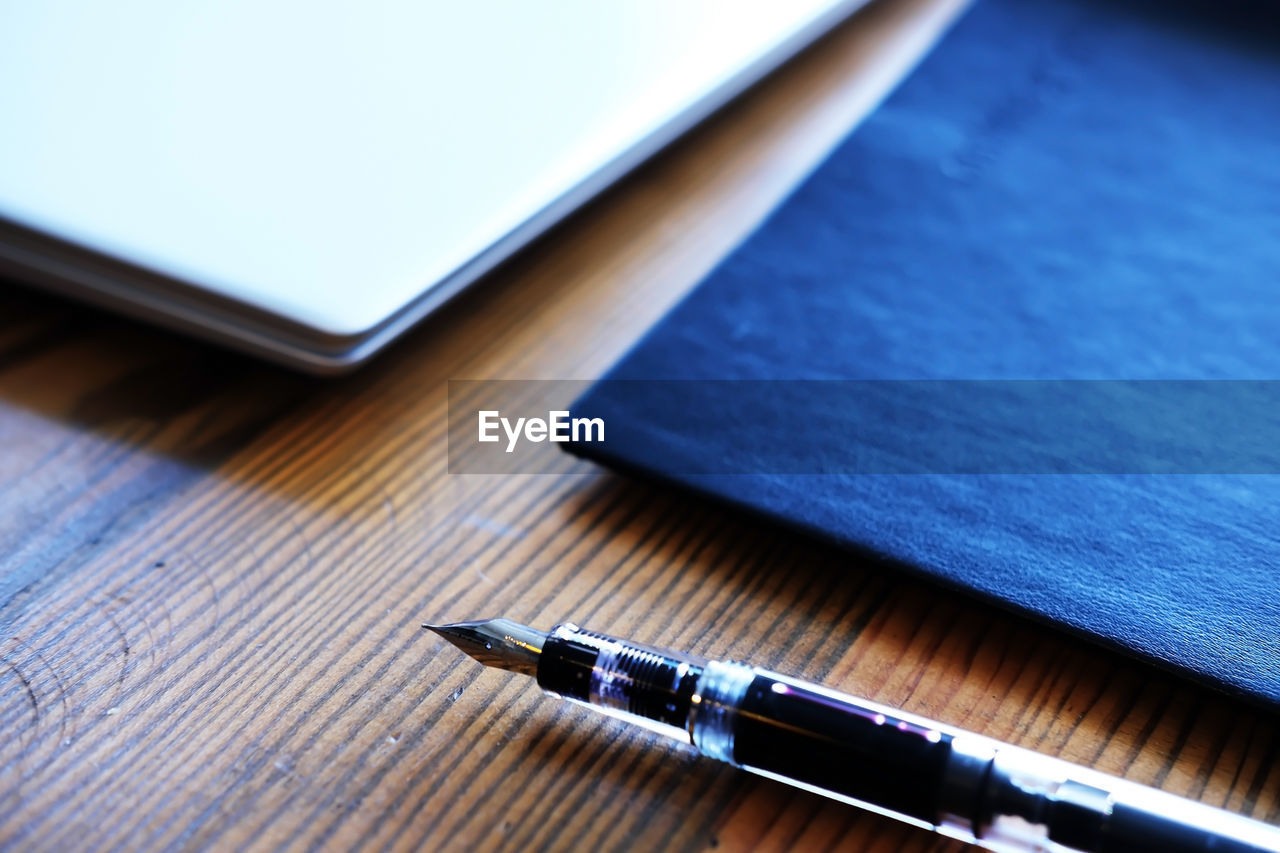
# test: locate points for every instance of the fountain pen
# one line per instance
(966, 786)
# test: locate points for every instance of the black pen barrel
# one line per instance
(842, 747)
(973, 788)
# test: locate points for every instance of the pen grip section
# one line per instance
(840, 745)
(648, 686)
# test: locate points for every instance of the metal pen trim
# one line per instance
(715, 707)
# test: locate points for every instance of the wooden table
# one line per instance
(215, 641)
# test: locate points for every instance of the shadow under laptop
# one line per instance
(104, 419)
(105, 422)
(95, 372)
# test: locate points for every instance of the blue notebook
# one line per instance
(1063, 190)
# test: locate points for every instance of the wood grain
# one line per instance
(213, 640)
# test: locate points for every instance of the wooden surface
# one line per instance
(215, 642)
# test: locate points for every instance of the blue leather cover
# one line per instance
(1067, 189)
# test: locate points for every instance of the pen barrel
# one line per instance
(647, 686)
(834, 744)
(998, 796)
(976, 789)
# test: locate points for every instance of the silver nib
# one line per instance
(496, 642)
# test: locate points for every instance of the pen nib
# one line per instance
(496, 642)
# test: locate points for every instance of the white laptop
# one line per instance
(307, 180)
